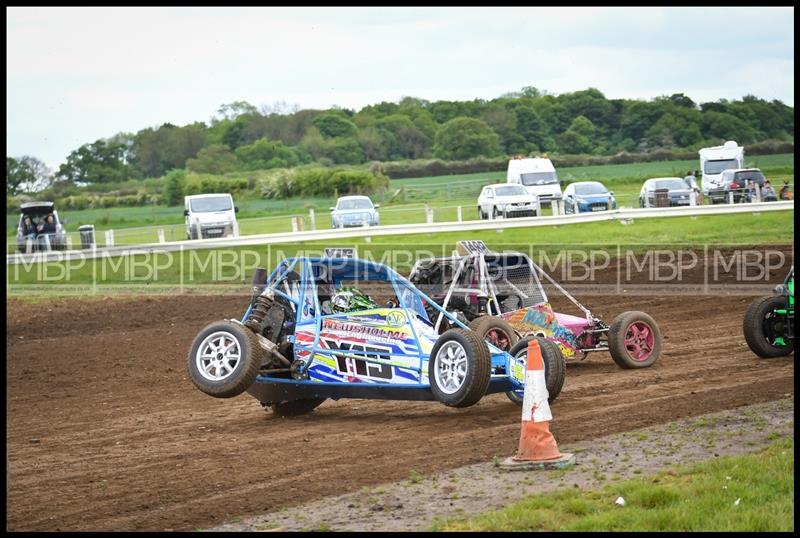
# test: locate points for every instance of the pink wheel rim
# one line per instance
(499, 338)
(639, 341)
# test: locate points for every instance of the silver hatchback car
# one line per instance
(352, 211)
(40, 228)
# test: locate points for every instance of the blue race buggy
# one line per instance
(343, 327)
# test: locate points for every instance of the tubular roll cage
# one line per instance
(488, 290)
(308, 286)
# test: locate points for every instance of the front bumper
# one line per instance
(354, 222)
(518, 210)
(216, 230)
(589, 207)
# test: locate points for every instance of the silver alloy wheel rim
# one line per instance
(218, 356)
(450, 367)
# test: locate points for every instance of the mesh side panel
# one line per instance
(516, 285)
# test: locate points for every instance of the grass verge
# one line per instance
(702, 497)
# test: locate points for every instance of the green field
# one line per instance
(686, 499)
(235, 265)
(404, 202)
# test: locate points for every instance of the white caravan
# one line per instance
(537, 175)
(717, 159)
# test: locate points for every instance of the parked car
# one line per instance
(310, 333)
(538, 175)
(40, 226)
(210, 215)
(736, 181)
(588, 196)
(507, 201)
(678, 191)
(354, 211)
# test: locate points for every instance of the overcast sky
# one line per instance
(78, 74)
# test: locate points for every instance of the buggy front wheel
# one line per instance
(459, 368)
(224, 359)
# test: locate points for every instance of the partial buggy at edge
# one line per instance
(768, 323)
(501, 296)
(311, 333)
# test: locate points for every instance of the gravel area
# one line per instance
(412, 505)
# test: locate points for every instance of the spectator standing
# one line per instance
(691, 180)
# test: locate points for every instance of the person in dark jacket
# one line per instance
(49, 225)
(28, 227)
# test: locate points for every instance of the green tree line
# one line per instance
(240, 137)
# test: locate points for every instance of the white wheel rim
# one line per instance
(450, 367)
(218, 356)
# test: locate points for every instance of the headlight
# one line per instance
(501, 206)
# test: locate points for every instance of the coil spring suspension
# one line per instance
(261, 305)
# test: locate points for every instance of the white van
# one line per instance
(717, 159)
(210, 215)
(537, 175)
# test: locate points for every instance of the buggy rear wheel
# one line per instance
(294, 408)
(224, 359)
(496, 331)
(459, 368)
(764, 330)
(634, 340)
(555, 367)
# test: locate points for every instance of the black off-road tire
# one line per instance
(295, 408)
(616, 339)
(478, 374)
(484, 325)
(555, 367)
(753, 327)
(246, 369)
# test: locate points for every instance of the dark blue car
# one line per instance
(588, 196)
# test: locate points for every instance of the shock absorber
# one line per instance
(260, 302)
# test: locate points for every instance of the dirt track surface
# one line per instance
(105, 431)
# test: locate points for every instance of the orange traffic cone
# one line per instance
(537, 446)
